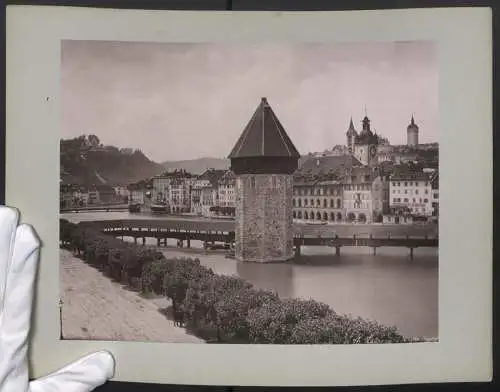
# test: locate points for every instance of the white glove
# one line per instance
(19, 252)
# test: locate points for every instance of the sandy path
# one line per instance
(96, 308)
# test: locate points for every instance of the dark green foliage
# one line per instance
(222, 308)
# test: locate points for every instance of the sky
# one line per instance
(184, 101)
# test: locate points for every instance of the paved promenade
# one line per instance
(96, 308)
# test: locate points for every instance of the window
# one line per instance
(393, 184)
(411, 183)
(416, 191)
(406, 200)
(426, 191)
(332, 203)
(426, 200)
(406, 191)
(311, 202)
(406, 183)
(414, 200)
(393, 191)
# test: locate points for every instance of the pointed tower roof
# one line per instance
(412, 123)
(264, 136)
(351, 131)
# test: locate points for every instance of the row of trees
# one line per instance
(221, 308)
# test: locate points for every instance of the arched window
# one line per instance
(332, 216)
(339, 203)
(294, 215)
(332, 203)
(318, 202)
(362, 217)
(339, 216)
(293, 202)
(300, 202)
(312, 202)
(305, 202)
(325, 216)
(311, 215)
(318, 215)
(351, 217)
(325, 203)
(305, 215)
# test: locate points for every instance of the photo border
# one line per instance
(33, 62)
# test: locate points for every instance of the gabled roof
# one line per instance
(329, 165)
(264, 136)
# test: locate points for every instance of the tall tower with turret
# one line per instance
(264, 160)
(366, 143)
(412, 134)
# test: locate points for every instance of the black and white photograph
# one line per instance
(249, 193)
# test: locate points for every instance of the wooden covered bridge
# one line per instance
(222, 232)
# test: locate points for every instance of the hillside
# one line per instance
(85, 161)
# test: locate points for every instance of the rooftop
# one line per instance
(264, 136)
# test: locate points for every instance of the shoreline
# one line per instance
(95, 307)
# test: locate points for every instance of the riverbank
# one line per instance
(97, 308)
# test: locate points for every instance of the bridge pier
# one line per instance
(188, 242)
(337, 251)
(158, 242)
(411, 253)
(374, 250)
(135, 240)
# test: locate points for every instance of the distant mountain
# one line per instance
(199, 165)
(85, 161)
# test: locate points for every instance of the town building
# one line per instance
(318, 188)
(202, 192)
(411, 190)
(357, 194)
(72, 195)
(227, 194)
(263, 161)
(180, 195)
(435, 193)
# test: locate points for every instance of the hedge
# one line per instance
(221, 308)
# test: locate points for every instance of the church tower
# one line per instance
(351, 137)
(263, 161)
(365, 149)
(412, 134)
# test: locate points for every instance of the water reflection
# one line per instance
(277, 277)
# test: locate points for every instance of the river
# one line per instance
(387, 287)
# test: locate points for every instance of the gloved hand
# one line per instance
(19, 252)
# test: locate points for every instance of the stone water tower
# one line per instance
(264, 160)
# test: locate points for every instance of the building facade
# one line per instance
(411, 191)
